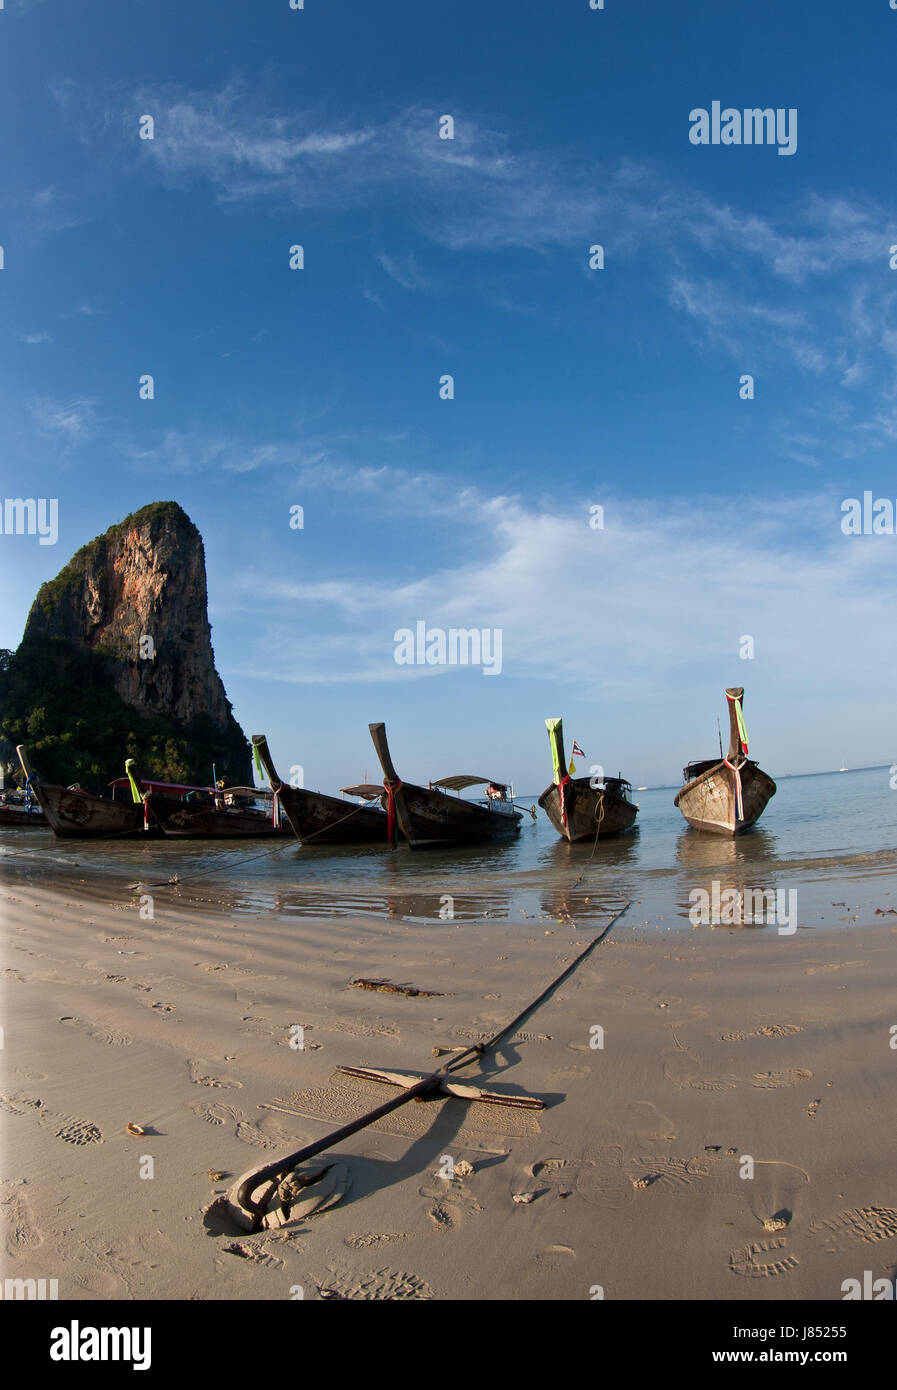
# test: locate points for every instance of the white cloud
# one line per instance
(663, 594)
(73, 420)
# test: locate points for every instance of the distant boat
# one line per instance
(14, 810)
(843, 768)
(577, 809)
(428, 816)
(726, 795)
(319, 819)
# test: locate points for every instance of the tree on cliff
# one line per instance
(116, 661)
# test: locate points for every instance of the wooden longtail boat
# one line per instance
(184, 812)
(318, 819)
(726, 795)
(577, 809)
(72, 812)
(428, 816)
(19, 814)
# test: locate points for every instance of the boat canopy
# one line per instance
(181, 788)
(462, 781)
(177, 788)
(367, 790)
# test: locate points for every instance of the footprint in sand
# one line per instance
(110, 1036)
(767, 1030)
(20, 1105)
(601, 1181)
(669, 1173)
(366, 1239)
(646, 1123)
(866, 1224)
(686, 1070)
(250, 1133)
(775, 1080)
(449, 1202)
(217, 1114)
(764, 1259)
(380, 1285)
(254, 1253)
(73, 1131)
(200, 1078)
(21, 1234)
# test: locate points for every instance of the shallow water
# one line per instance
(831, 837)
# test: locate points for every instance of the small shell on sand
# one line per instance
(523, 1196)
(135, 1129)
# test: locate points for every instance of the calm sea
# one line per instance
(831, 838)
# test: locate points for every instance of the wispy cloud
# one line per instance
(73, 420)
(651, 606)
(34, 338)
(404, 271)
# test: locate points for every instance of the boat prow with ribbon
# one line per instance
(584, 808)
(319, 819)
(429, 816)
(726, 795)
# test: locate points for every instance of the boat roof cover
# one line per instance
(458, 783)
(180, 787)
(160, 786)
(365, 789)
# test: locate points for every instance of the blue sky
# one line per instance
(573, 387)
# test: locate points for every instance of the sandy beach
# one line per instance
(719, 1045)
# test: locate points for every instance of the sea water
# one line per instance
(831, 838)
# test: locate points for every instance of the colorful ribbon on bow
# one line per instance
(739, 719)
(391, 789)
(561, 785)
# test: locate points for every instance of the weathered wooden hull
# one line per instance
(587, 811)
(318, 819)
(429, 818)
(709, 802)
(186, 822)
(29, 820)
(82, 815)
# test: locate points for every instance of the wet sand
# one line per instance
(719, 1045)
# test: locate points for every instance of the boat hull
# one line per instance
(318, 819)
(31, 820)
(429, 818)
(709, 802)
(587, 811)
(81, 815)
(184, 822)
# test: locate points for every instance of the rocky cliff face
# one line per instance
(127, 620)
(138, 595)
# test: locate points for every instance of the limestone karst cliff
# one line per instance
(116, 661)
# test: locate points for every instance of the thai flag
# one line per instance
(577, 751)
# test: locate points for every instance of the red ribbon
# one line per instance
(391, 789)
(561, 785)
